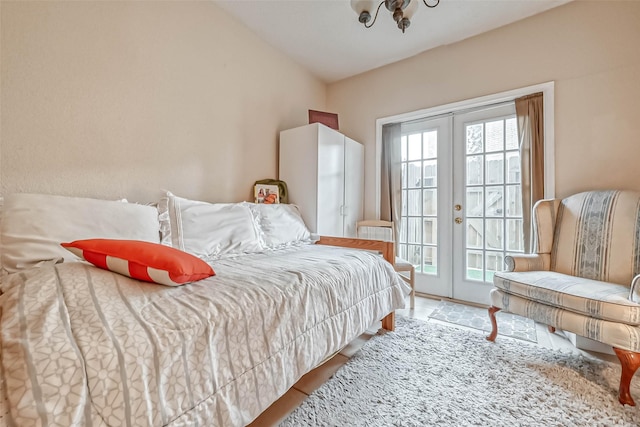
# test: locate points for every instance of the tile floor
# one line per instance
(423, 308)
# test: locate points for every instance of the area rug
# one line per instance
(509, 325)
(426, 374)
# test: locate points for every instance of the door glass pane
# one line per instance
(495, 136)
(513, 167)
(414, 230)
(514, 200)
(514, 235)
(414, 174)
(511, 134)
(495, 168)
(430, 148)
(430, 202)
(413, 202)
(494, 263)
(493, 233)
(415, 147)
(475, 202)
(413, 254)
(475, 138)
(474, 265)
(430, 264)
(494, 201)
(475, 169)
(430, 173)
(475, 233)
(430, 231)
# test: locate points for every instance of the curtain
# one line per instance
(529, 114)
(391, 177)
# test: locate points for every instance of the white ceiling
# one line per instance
(325, 36)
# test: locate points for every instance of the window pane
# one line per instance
(474, 201)
(494, 201)
(430, 231)
(413, 202)
(430, 202)
(514, 200)
(511, 134)
(495, 168)
(430, 265)
(513, 167)
(474, 139)
(414, 174)
(493, 234)
(415, 146)
(495, 136)
(475, 233)
(430, 144)
(494, 263)
(414, 230)
(474, 170)
(514, 235)
(474, 265)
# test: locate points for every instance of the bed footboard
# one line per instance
(385, 248)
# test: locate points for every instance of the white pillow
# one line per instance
(279, 224)
(34, 225)
(207, 230)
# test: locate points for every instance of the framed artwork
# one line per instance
(266, 193)
(328, 119)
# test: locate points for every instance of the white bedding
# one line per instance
(84, 346)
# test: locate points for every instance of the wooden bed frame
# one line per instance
(385, 248)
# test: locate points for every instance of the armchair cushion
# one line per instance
(596, 299)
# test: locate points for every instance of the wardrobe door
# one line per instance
(353, 206)
(330, 182)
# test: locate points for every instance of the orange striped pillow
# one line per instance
(150, 262)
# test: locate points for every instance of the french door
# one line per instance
(462, 210)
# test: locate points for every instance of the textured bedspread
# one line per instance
(83, 346)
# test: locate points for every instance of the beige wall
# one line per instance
(123, 99)
(591, 49)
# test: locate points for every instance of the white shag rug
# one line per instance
(425, 374)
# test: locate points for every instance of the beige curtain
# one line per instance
(531, 136)
(391, 177)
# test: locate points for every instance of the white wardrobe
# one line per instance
(324, 172)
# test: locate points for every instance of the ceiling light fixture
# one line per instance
(402, 10)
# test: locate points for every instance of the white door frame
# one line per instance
(547, 90)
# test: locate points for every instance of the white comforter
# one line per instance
(83, 346)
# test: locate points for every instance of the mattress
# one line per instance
(84, 346)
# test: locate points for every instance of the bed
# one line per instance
(83, 345)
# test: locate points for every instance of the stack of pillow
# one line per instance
(169, 244)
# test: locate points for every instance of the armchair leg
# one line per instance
(630, 362)
(494, 325)
(551, 329)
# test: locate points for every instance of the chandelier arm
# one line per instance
(428, 5)
(376, 16)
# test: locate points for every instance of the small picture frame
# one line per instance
(268, 194)
(327, 119)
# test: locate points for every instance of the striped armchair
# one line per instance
(582, 275)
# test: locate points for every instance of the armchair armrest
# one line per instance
(528, 262)
(632, 290)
